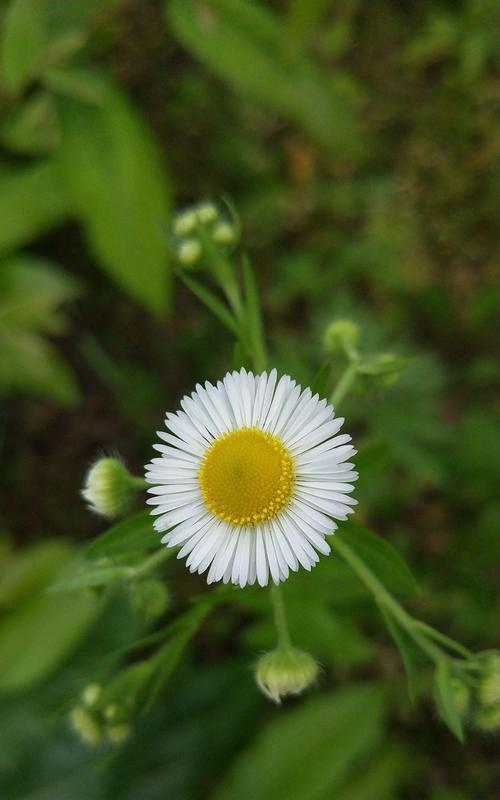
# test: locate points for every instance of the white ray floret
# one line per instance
(252, 474)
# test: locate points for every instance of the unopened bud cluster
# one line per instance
(285, 671)
(95, 724)
(487, 715)
(192, 226)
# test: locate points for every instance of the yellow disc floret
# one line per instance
(246, 476)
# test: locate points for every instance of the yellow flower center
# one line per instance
(246, 476)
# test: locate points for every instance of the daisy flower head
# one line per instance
(252, 474)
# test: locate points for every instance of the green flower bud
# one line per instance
(189, 252)
(91, 693)
(207, 213)
(489, 687)
(109, 487)
(285, 671)
(85, 726)
(185, 222)
(488, 719)
(385, 368)
(342, 336)
(150, 598)
(461, 696)
(224, 233)
(118, 733)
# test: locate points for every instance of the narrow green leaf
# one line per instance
(253, 317)
(445, 701)
(322, 379)
(381, 557)
(407, 654)
(307, 753)
(31, 127)
(32, 200)
(117, 183)
(134, 533)
(84, 573)
(212, 302)
(22, 44)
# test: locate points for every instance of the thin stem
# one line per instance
(161, 555)
(346, 380)
(405, 620)
(432, 633)
(280, 620)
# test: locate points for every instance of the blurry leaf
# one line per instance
(32, 126)
(84, 574)
(31, 290)
(303, 18)
(37, 637)
(31, 570)
(322, 380)
(304, 754)
(403, 644)
(32, 200)
(135, 533)
(381, 557)
(245, 44)
(382, 779)
(22, 43)
(212, 302)
(253, 317)
(117, 183)
(445, 700)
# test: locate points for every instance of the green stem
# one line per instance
(280, 620)
(346, 380)
(385, 598)
(161, 555)
(138, 483)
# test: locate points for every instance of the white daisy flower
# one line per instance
(251, 475)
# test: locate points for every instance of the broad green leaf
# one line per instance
(22, 44)
(245, 44)
(403, 644)
(380, 556)
(32, 127)
(30, 570)
(321, 381)
(135, 533)
(445, 700)
(382, 779)
(306, 753)
(32, 200)
(36, 638)
(117, 184)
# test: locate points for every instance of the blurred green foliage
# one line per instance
(360, 143)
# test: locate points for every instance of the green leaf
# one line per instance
(84, 574)
(322, 380)
(306, 753)
(32, 200)
(39, 636)
(32, 127)
(135, 533)
(402, 642)
(212, 302)
(382, 779)
(246, 45)
(253, 317)
(386, 563)
(30, 570)
(445, 700)
(22, 44)
(117, 184)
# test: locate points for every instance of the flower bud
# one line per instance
(91, 693)
(224, 233)
(150, 599)
(488, 719)
(118, 733)
(461, 696)
(85, 726)
(489, 686)
(384, 368)
(109, 487)
(285, 671)
(185, 222)
(343, 335)
(189, 252)
(207, 213)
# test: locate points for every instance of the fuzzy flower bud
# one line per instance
(461, 696)
(118, 733)
(207, 213)
(489, 687)
(224, 233)
(343, 335)
(285, 671)
(185, 222)
(91, 694)
(189, 252)
(109, 487)
(488, 719)
(85, 726)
